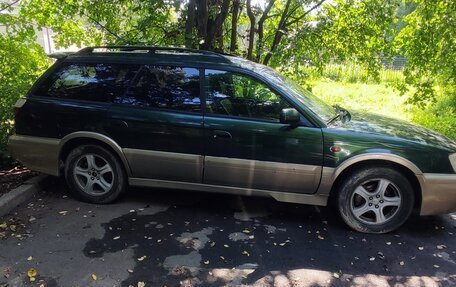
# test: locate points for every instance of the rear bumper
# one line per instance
(37, 153)
(438, 193)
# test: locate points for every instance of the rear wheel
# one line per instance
(94, 174)
(375, 200)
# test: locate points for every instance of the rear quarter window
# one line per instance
(99, 82)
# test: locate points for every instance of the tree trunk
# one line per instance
(202, 18)
(283, 27)
(189, 24)
(263, 18)
(251, 31)
(216, 26)
(234, 23)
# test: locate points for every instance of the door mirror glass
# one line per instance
(290, 116)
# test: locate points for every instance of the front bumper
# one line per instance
(438, 193)
(37, 153)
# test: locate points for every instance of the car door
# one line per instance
(247, 146)
(159, 124)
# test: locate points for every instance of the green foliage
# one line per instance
(429, 41)
(21, 62)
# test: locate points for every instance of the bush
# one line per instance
(21, 63)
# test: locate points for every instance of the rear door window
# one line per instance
(91, 82)
(165, 87)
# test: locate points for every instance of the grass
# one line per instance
(385, 100)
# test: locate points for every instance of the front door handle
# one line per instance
(222, 134)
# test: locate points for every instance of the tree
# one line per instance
(428, 39)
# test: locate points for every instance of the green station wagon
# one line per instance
(117, 116)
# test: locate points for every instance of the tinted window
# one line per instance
(238, 95)
(92, 82)
(165, 87)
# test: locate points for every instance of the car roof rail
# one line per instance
(148, 49)
(60, 55)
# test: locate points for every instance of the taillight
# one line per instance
(19, 104)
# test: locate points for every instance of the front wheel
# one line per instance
(375, 200)
(94, 174)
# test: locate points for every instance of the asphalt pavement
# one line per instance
(156, 237)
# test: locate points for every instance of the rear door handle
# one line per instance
(222, 134)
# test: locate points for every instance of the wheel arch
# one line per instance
(75, 139)
(404, 166)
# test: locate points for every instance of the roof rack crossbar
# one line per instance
(151, 49)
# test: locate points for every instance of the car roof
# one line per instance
(145, 54)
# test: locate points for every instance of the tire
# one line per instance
(375, 200)
(94, 174)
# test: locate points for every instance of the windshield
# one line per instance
(315, 104)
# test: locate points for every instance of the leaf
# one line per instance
(30, 258)
(130, 270)
(226, 245)
(441, 246)
(336, 275)
(206, 262)
(420, 248)
(116, 238)
(402, 263)
(141, 284)
(245, 253)
(63, 212)
(142, 258)
(94, 277)
(32, 219)
(32, 273)
(371, 258)
(321, 237)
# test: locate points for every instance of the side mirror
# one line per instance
(290, 116)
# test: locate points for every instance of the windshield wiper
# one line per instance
(341, 114)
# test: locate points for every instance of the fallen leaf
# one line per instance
(30, 258)
(221, 257)
(402, 263)
(63, 212)
(226, 245)
(130, 270)
(251, 237)
(212, 244)
(115, 238)
(371, 258)
(441, 246)
(245, 253)
(94, 277)
(32, 219)
(246, 231)
(142, 258)
(336, 275)
(141, 284)
(32, 273)
(206, 262)
(388, 243)
(436, 266)
(420, 248)
(3, 225)
(321, 237)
